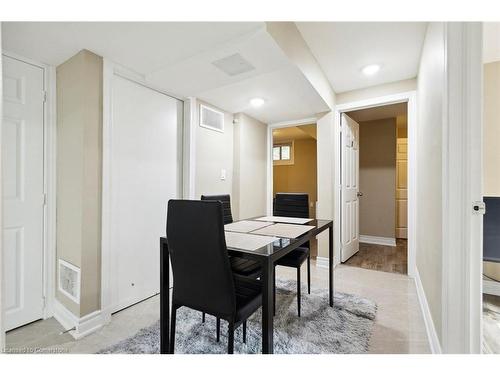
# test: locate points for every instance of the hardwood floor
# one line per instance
(382, 258)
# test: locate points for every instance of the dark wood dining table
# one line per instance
(266, 256)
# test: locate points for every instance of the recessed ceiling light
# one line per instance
(256, 102)
(370, 70)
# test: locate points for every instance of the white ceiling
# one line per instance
(379, 113)
(177, 57)
(344, 48)
(143, 47)
(491, 42)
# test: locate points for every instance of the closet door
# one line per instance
(145, 174)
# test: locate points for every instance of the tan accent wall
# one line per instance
(300, 177)
(79, 174)
(250, 167)
(377, 176)
(491, 151)
(214, 152)
(429, 225)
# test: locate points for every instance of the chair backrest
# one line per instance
(291, 205)
(226, 204)
(203, 279)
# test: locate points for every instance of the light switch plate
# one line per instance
(223, 174)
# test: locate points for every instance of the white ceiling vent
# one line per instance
(211, 118)
(69, 280)
(234, 65)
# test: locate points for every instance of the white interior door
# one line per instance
(145, 166)
(23, 192)
(350, 187)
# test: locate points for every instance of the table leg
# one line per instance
(267, 306)
(330, 263)
(164, 298)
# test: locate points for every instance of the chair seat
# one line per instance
(248, 297)
(294, 258)
(245, 267)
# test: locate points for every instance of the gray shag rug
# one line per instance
(346, 328)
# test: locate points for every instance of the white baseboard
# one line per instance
(386, 241)
(82, 326)
(429, 323)
(322, 262)
(491, 287)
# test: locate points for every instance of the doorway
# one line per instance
(23, 188)
(374, 155)
(375, 199)
(294, 165)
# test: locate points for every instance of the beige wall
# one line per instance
(491, 130)
(377, 178)
(300, 177)
(79, 172)
(376, 91)
(491, 151)
(214, 152)
(250, 167)
(429, 173)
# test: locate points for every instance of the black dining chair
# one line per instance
(294, 205)
(202, 275)
(240, 266)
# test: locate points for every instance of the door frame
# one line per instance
(110, 69)
(49, 182)
(408, 97)
(270, 128)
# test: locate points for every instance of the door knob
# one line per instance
(359, 194)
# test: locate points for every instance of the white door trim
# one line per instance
(270, 128)
(410, 98)
(462, 185)
(49, 176)
(110, 69)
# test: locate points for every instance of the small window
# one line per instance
(283, 154)
(276, 153)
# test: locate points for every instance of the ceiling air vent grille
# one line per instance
(233, 65)
(211, 118)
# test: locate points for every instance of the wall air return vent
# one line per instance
(69, 280)
(233, 65)
(211, 118)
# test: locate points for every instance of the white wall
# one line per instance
(2, 332)
(431, 83)
(214, 152)
(325, 148)
(377, 91)
(250, 167)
